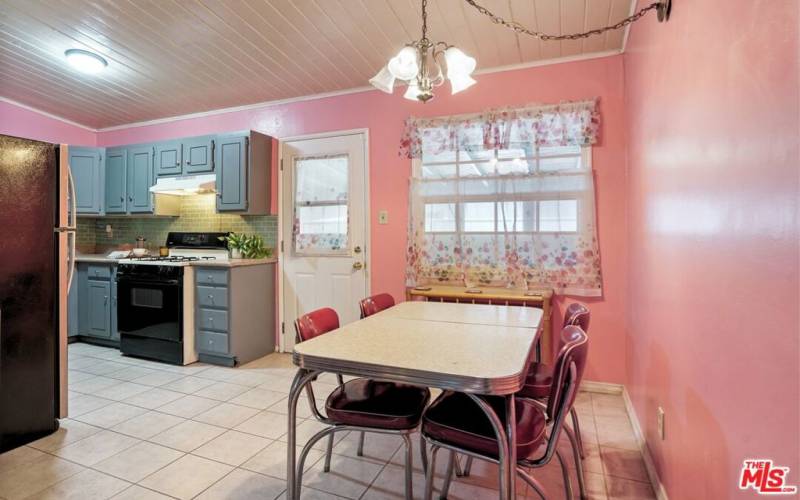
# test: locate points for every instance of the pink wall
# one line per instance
(21, 122)
(712, 117)
(383, 115)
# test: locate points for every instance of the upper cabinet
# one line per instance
(140, 178)
(87, 173)
(243, 165)
(198, 155)
(168, 158)
(116, 181)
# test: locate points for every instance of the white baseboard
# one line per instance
(601, 387)
(655, 481)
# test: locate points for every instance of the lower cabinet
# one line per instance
(234, 313)
(96, 302)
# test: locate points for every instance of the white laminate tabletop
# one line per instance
(476, 314)
(487, 359)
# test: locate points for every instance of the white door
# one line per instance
(324, 227)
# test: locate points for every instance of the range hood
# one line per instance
(185, 185)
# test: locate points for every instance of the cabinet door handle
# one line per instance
(130, 198)
(105, 299)
(121, 198)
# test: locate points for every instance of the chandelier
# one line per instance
(420, 62)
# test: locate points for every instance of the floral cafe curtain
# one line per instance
(505, 198)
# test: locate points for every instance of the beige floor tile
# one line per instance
(136, 492)
(226, 415)
(303, 408)
(265, 424)
(258, 398)
(75, 376)
(85, 485)
(153, 398)
(609, 405)
(69, 431)
(241, 484)
(276, 384)
(615, 432)
(110, 415)
(232, 447)
(131, 373)
(222, 391)
(80, 404)
(625, 489)
(348, 477)
(103, 367)
(219, 373)
(312, 494)
(467, 491)
(188, 384)
(45, 471)
(271, 461)
(159, 378)
(186, 477)
(148, 424)
(187, 435)
(188, 406)
(138, 461)
(391, 485)
(18, 457)
(96, 447)
(94, 385)
(250, 378)
(595, 486)
(592, 461)
(122, 391)
(377, 447)
(626, 464)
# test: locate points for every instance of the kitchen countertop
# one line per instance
(104, 259)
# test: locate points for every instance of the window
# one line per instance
(519, 190)
(321, 206)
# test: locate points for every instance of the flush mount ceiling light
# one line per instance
(420, 63)
(85, 61)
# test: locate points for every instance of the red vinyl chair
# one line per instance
(456, 423)
(361, 404)
(375, 304)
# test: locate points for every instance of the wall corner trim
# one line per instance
(655, 481)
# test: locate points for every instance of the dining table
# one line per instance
(476, 349)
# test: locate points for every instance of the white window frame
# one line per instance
(586, 164)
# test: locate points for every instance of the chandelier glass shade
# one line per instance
(420, 64)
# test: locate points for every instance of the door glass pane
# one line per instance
(321, 205)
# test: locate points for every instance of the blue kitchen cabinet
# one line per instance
(116, 181)
(231, 159)
(87, 173)
(98, 308)
(198, 155)
(140, 178)
(168, 158)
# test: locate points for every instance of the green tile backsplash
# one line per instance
(198, 214)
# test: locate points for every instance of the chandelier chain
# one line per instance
(519, 28)
(424, 19)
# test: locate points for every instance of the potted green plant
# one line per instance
(236, 244)
(246, 246)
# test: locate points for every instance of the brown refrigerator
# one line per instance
(37, 248)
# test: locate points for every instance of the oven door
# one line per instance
(151, 309)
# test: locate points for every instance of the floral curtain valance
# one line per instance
(565, 124)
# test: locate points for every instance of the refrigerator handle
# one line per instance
(72, 225)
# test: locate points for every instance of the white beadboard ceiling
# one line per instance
(175, 57)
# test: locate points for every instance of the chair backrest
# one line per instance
(316, 323)
(567, 371)
(375, 304)
(577, 314)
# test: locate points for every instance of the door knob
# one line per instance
(357, 250)
(358, 265)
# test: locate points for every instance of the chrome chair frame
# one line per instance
(557, 424)
(303, 379)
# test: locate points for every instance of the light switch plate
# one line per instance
(383, 217)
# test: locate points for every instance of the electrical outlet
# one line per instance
(660, 415)
(109, 231)
(383, 217)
